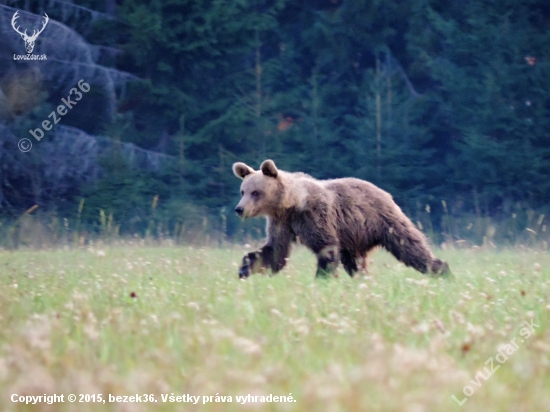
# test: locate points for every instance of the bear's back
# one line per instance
(358, 198)
(352, 190)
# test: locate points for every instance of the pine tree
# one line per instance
(487, 61)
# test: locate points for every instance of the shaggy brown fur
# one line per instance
(340, 220)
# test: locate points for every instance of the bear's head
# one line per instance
(260, 190)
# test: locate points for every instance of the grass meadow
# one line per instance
(126, 320)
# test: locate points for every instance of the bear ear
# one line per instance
(241, 170)
(268, 168)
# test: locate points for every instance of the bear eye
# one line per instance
(255, 193)
(242, 193)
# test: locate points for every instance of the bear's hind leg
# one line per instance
(349, 261)
(362, 260)
(409, 246)
(440, 268)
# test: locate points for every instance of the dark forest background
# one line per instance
(445, 104)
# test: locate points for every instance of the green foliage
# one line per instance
(429, 99)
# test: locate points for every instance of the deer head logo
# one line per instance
(29, 40)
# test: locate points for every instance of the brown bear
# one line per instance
(340, 220)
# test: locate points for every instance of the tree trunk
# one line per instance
(378, 122)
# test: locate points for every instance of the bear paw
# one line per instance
(249, 262)
(440, 268)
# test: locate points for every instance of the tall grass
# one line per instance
(163, 320)
(48, 230)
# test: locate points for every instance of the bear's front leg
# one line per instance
(273, 254)
(254, 262)
(327, 262)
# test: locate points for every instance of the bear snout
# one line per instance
(239, 210)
